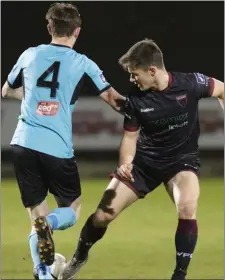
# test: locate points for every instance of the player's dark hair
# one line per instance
(143, 54)
(63, 18)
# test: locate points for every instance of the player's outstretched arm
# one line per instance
(106, 91)
(9, 92)
(219, 91)
(114, 99)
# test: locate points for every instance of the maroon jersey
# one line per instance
(168, 119)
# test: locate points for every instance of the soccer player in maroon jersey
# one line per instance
(159, 145)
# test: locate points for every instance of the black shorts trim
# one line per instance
(104, 89)
(129, 185)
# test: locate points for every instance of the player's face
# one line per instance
(142, 78)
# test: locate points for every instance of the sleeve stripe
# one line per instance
(17, 81)
(211, 86)
(10, 85)
(131, 128)
(96, 86)
(104, 89)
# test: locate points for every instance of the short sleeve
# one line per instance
(131, 122)
(96, 75)
(15, 76)
(202, 85)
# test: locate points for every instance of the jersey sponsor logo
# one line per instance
(103, 78)
(47, 108)
(171, 120)
(172, 127)
(182, 100)
(147, 110)
(201, 79)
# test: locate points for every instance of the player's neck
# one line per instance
(65, 41)
(162, 80)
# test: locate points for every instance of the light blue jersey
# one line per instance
(51, 76)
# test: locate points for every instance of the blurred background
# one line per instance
(191, 36)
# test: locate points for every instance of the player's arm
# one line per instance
(114, 99)
(9, 92)
(13, 86)
(131, 127)
(128, 146)
(218, 91)
(127, 154)
(129, 142)
(106, 91)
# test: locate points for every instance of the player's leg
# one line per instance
(33, 194)
(116, 198)
(40, 268)
(67, 213)
(64, 183)
(62, 177)
(184, 190)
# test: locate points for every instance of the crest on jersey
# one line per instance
(201, 79)
(182, 100)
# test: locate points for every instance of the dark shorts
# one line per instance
(149, 174)
(37, 173)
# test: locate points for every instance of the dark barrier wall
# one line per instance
(191, 34)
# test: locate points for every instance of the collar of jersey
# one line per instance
(58, 45)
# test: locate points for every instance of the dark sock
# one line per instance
(88, 237)
(185, 241)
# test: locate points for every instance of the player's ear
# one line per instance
(49, 29)
(152, 70)
(77, 32)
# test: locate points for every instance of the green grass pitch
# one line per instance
(139, 244)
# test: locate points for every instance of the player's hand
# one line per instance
(124, 172)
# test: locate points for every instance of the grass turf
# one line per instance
(139, 244)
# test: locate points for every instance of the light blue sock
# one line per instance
(61, 218)
(39, 267)
(33, 241)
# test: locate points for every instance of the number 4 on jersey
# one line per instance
(53, 84)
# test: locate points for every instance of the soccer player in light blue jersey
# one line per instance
(48, 79)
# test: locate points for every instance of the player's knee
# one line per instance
(187, 210)
(102, 218)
